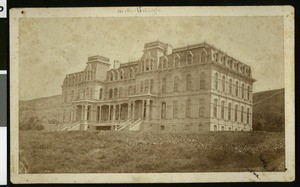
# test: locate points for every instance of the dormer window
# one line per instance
(147, 65)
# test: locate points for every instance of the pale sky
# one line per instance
(50, 48)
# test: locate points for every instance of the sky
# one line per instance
(50, 48)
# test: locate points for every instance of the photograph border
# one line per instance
(286, 11)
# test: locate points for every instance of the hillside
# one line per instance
(268, 110)
(49, 107)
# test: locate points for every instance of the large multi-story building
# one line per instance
(188, 89)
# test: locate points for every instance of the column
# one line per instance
(148, 109)
(85, 112)
(120, 107)
(143, 110)
(109, 113)
(100, 113)
(82, 112)
(75, 113)
(129, 110)
(114, 113)
(133, 106)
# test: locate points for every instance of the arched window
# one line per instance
(116, 93)
(116, 76)
(215, 128)
(242, 114)
(202, 81)
(222, 128)
(235, 112)
(175, 109)
(100, 93)
(87, 93)
(142, 87)
(229, 111)
(72, 95)
(230, 86)
(248, 115)
(242, 90)
(236, 88)
(188, 108)
(111, 93)
(176, 82)
(190, 59)
(248, 93)
(151, 85)
(223, 83)
(188, 82)
(223, 109)
(164, 85)
(203, 57)
(165, 64)
(201, 107)
(216, 81)
(215, 108)
(176, 62)
(122, 74)
(163, 110)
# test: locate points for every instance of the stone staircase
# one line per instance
(125, 124)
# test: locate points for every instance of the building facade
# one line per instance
(188, 89)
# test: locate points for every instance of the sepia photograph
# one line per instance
(152, 94)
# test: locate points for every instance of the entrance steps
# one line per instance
(135, 126)
(70, 126)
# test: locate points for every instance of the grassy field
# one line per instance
(103, 152)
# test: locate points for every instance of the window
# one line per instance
(146, 86)
(235, 112)
(230, 86)
(242, 90)
(164, 85)
(176, 62)
(72, 95)
(141, 87)
(236, 88)
(151, 65)
(116, 93)
(130, 91)
(100, 93)
(248, 115)
(120, 92)
(175, 109)
(131, 73)
(215, 108)
(98, 113)
(202, 81)
(222, 128)
(223, 83)
(151, 85)
(215, 128)
(110, 93)
(203, 57)
(162, 127)
(122, 75)
(116, 76)
(142, 68)
(66, 96)
(216, 81)
(163, 110)
(200, 127)
(229, 111)
(165, 64)
(190, 59)
(78, 94)
(222, 109)
(188, 82)
(111, 76)
(147, 65)
(176, 82)
(188, 108)
(248, 93)
(201, 107)
(242, 114)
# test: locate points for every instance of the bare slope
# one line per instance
(49, 107)
(268, 110)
